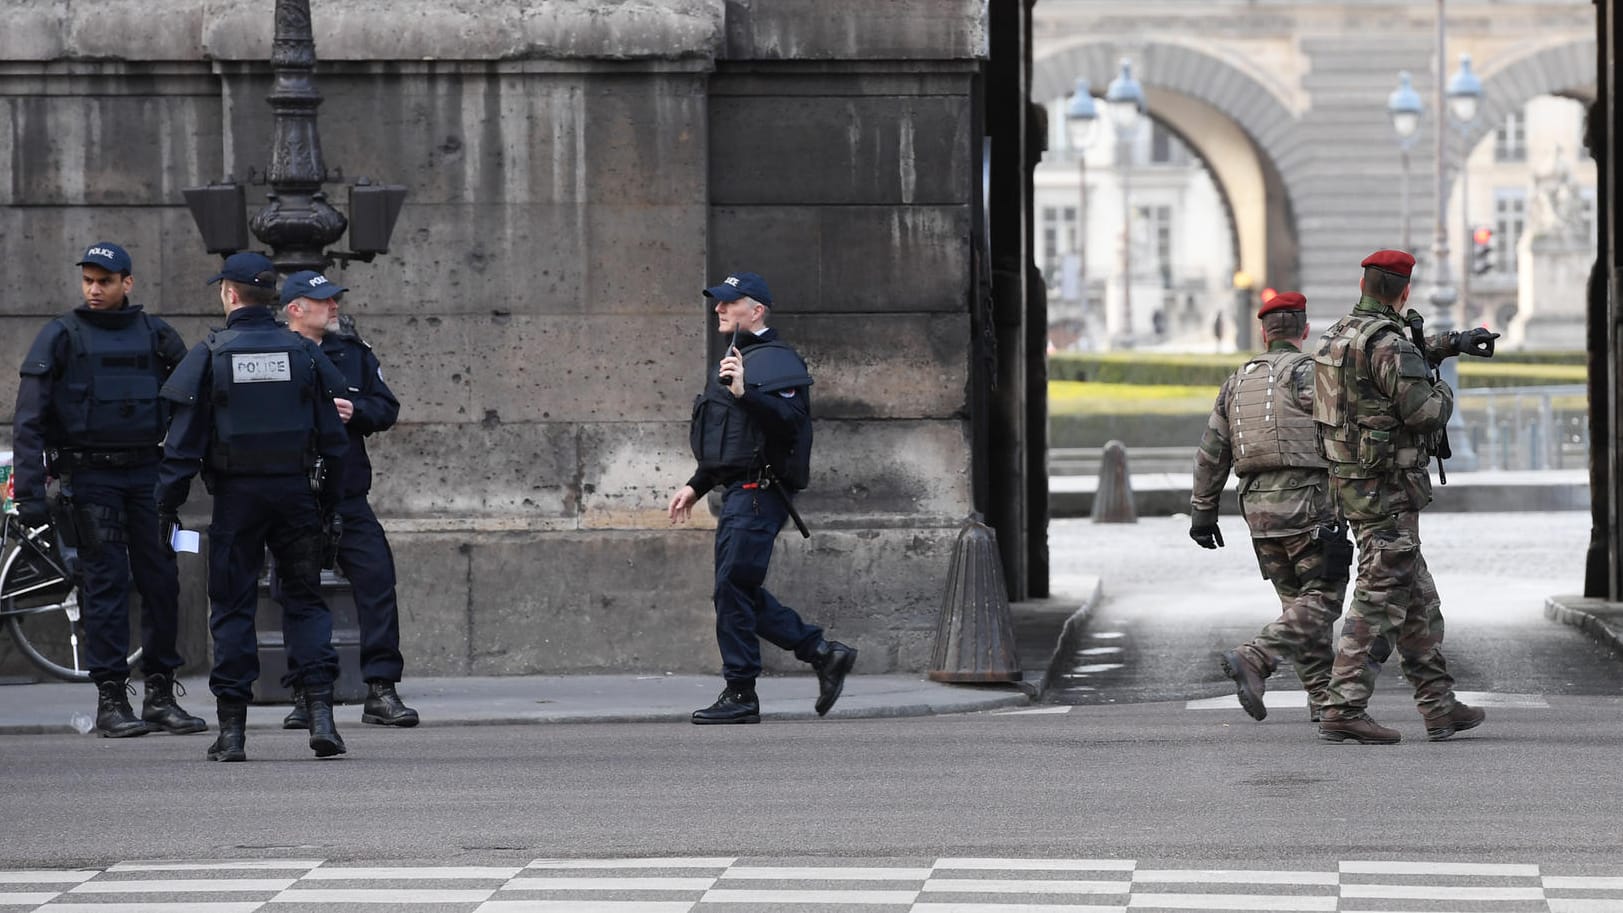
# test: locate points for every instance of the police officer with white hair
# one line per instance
(254, 413)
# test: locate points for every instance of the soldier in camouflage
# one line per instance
(1381, 415)
(1262, 427)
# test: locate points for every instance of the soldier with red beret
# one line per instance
(1262, 428)
(1380, 415)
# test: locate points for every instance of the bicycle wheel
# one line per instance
(41, 608)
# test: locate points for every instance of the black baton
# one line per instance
(788, 502)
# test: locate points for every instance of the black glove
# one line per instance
(33, 513)
(1477, 341)
(1207, 536)
(168, 522)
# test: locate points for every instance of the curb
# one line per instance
(1070, 637)
(1581, 613)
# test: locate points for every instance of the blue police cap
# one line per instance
(309, 284)
(248, 268)
(738, 285)
(106, 255)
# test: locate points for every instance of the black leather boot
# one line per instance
(735, 705)
(114, 717)
(231, 743)
(833, 662)
(384, 707)
(299, 716)
(159, 707)
(324, 737)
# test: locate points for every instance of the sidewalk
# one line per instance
(49, 707)
(1601, 620)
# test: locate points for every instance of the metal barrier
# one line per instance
(1528, 427)
(1084, 461)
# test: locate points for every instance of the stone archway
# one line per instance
(1565, 68)
(1240, 127)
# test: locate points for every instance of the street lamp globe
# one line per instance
(1081, 117)
(1464, 92)
(1125, 98)
(1404, 107)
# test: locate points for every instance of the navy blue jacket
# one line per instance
(375, 405)
(32, 430)
(191, 430)
(779, 416)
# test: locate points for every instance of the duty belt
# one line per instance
(104, 459)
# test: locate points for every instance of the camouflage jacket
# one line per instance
(1276, 502)
(1379, 412)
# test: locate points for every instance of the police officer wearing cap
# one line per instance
(310, 303)
(1262, 428)
(89, 415)
(254, 412)
(1381, 415)
(751, 436)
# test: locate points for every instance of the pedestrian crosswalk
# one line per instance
(745, 885)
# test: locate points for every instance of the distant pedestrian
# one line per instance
(1381, 417)
(751, 435)
(254, 412)
(89, 416)
(1262, 427)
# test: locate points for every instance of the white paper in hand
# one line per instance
(185, 540)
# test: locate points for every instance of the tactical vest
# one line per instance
(263, 391)
(108, 399)
(1358, 425)
(1268, 427)
(727, 438)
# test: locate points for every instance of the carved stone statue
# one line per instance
(1558, 208)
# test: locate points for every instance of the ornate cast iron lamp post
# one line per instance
(297, 223)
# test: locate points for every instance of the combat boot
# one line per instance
(1459, 719)
(115, 719)
(299, 716)
(832, 662)
(1247, 682)
(159, 707)
(384, 707)
(735, 705)
(1360, 729)
(231, 743)
(324, 738)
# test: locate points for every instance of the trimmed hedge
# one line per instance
(1190, 370)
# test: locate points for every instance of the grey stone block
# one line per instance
(883, 365)
(833, 150)
(883, 472)
(611, 601)
(482, 30)
(849, 258)
(526, 470)
(629, 472)
(434, 585)
(855, 29)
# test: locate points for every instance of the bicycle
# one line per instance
(39, 601)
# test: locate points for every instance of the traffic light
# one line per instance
(1482, 250)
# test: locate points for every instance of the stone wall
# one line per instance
(577, 173)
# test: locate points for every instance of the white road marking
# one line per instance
(1036, 865)
(42, 876)
(183, 885)
(1236, 902)
(609, 883)
(388, 896)
(1233, 876)
(833, 898)
(675, 862)
(1389, 867)
(449, 873)
(826, 873)
(1027, 886)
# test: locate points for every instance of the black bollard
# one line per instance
(974, 638)
(1113, 500)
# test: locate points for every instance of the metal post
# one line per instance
(1126, 148)
(1466, 242)
(1408, 241)
(1442, 293)
(297, 224)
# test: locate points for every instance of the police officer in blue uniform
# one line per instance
(89, 415)
(751, 436)
(254, 412)
(310, 303)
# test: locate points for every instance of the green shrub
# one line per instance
(1191, 370)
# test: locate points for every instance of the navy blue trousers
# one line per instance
(127, 519)
(745, 612)
(250, 513)
(367, 562)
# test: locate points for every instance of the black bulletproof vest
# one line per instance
(108, 398)
(263, 391)
(724, 437)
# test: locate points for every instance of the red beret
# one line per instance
(1284, 301)
(1396, 262)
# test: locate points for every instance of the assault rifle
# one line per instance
(1477, 341)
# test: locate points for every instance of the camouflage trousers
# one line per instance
(1310, 576)
(1395, 604)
